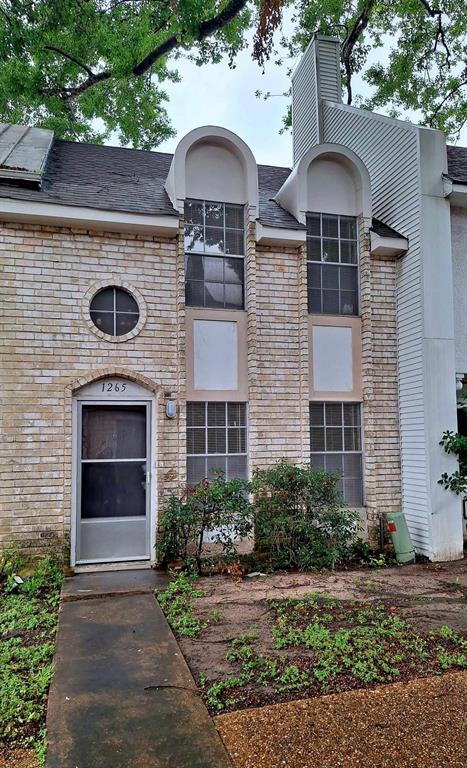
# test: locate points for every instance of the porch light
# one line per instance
(171, 409)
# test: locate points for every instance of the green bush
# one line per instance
(456, 444)
(300, 518)
(219, 507)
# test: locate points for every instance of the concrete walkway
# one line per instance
(122, 695)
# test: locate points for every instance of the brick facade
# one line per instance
(381, 444)
(277, 355)
(50, 350)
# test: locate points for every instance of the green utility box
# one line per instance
(400, 537)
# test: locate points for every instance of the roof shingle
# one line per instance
(118, 179)
(457, 164)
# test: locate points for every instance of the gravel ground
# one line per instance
(419, 724)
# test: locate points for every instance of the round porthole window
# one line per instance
(114, 311)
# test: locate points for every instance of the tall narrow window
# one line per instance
(215, 253)
(332, 252)
(216, 440)
(336, 446)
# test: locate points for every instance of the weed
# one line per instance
(215, 616)
(177, 603)
(214, 693)
(28, 624)
(330, 646)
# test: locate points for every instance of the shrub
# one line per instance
(300, 518)
(219, 507)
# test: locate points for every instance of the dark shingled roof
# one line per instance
(94, 176)
(457, 164)
(270, 180)
(383, 230)
(118, 179)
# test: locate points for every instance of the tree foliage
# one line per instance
(455, 443)
(422, 50)
(86, 68)
(89, 68)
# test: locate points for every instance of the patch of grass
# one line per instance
(321, 645)
(177, 603)
(28, 624)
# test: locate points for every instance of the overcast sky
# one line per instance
(217, 95)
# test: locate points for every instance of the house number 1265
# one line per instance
(110, 386)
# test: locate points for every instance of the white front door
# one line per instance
(113, 472)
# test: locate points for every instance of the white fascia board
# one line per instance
(87, 218)
(458, 196)
(388, 246)
(278, 236)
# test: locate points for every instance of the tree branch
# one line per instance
(70, 58)
(440, 33)
(359, 26)
(205, 29)
(446, 98)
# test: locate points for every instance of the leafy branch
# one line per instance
(203, 30)
(456, 444)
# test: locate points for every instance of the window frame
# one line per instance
(332, 452)
(242, 428)
(114, 312)
(332, 264)
(222, 256)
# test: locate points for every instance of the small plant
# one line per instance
(11, 562)
(329, 646)
(28, 624)
(456, 444)
(219, 507)
(367, 556)
(177, 603)
(300, 518)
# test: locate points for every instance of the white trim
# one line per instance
(279, 236)
(293, 195)
(176, 180)
(150, 400)
(387, 246)
(87, 218)
(458, 195)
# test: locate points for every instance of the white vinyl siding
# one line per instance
(395, 189)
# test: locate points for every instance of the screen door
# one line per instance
(113, 482)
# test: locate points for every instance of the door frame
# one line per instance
(137, 395)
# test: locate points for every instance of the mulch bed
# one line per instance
(19, 758)
(404, 725)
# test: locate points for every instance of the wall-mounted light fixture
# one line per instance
(171, 409)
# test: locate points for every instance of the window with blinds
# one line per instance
(216, 440)
(336, 446)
